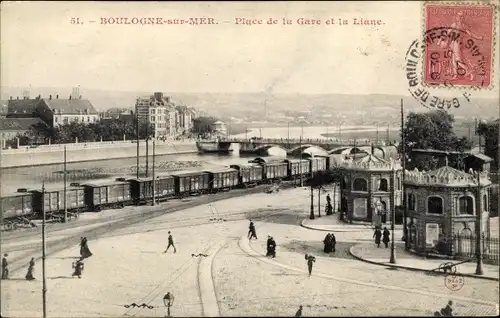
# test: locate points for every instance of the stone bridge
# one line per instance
(260, 146)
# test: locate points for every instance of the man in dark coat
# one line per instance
(327, 242)
(377, 235)
(333, 242)
(271, 247)
(5, 268)
(310, 260)
(299, 312)
(386, 237)
(170, 243)
(251, 231)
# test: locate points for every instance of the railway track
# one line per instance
(118, 222)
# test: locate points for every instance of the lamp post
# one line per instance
(479, 214)
(300, 155)
(392, 260)
(44, 282)
(319, 201)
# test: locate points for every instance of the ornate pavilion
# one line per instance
(442, 205)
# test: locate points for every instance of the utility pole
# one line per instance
(137, 135)
(65, 194)
(319, 201)
(300, 158)
(403, 159)
(147, 148)
(479, 214)
(44, 282)
(392, 260)
(154, 180)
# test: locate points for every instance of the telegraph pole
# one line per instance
(479, 214)
(44, 282)
(147, 148)
(392, 260)
(154, 180)
(403, 159)
(300, 157)
(319, 201)
(137, 135)
(65, 207)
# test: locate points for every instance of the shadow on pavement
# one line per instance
(316, 248)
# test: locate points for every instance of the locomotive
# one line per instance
(94, 195)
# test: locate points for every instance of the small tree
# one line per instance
(489, 131)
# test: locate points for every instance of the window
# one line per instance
(65, 120)
(153, 111)
(55, 119)
(466, 205)
(412, 202)
(382, 185)
(398, 180)
(153, 118)
(485, 203)
(88, 118)
(434, 205)
(360, 184)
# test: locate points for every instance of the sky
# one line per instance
(40, 47)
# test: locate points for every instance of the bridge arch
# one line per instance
(313, 149)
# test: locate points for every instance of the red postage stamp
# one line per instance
(459, 44)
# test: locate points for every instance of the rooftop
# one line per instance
(22, 106)
(447, 176)
(70, 106)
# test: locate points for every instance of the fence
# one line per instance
(465, 246)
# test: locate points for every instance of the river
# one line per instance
(32, 177)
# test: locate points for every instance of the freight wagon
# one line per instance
(274, 168)
(250, 174)
(101, 194)
(191, 183)
(53, 202)
(142, 188)
(17, 209)
(318, 163)
(223, 179)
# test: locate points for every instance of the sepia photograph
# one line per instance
(249, 158)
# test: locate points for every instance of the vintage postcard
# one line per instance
(210, 159)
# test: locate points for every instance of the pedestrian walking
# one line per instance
(170, 243)
(84, 248)
(333, 242)
(78, 266)
(310, 260)
(251, 231)
(5, 267)
(299, 312)
(377, 235)
(386, 237)
(31, 268)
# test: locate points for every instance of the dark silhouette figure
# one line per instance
(299, 312)
(310, 261)
(377, 235)
(78, 266)
(170, 243)
(31, 268)
(271, 247)
(251, 231)
(386, 237)
(333, 242)
(5, 267)
(84, 248)
(328, 243)
(446, 311)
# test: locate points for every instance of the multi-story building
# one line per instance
(184, 119)
(54, 112)
(160, 112)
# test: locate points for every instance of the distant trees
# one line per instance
(432, 130)
(107, 129)
(489, 131)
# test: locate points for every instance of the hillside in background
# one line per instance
(376, 107)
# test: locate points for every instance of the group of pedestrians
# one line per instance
(384, 235)
(330, 241)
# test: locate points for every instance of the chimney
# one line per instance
(17, 98)
(50, 97)
(69, 97)
(57, 96)
(158, 96)
(168, 99)
(10, 98)
(372, 150)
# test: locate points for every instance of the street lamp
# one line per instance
(479, 253)
(44, 282)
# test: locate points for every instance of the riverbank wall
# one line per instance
(91, 151)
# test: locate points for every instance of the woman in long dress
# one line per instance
(31, 268)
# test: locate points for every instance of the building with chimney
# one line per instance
(53, 111)
(160, 112)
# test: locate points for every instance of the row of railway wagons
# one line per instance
(98, 194)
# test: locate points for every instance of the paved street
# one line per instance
(235, 278)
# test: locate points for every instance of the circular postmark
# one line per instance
(454, 282)
(437, 63)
